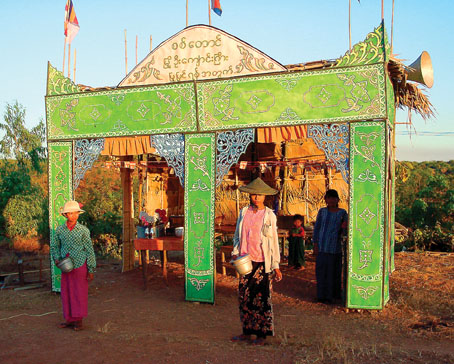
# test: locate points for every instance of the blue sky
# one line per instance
(289, 31)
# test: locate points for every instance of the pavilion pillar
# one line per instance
(128, 218)
(367, 242)
(60, 190)
(199, 208)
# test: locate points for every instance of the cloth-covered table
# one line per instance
(162, 244)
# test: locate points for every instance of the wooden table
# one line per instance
(162, 244)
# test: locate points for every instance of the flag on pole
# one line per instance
(216, 6)
(71, 23)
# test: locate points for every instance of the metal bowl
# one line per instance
(243, 264)
(179, 231)
(66, 265)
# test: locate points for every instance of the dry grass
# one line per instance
(21, 300)
(408, 94)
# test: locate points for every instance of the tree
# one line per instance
(25, 146)
(21, 152)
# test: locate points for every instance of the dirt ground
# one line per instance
(129, 325)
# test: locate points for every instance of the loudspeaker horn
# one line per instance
(421, 70)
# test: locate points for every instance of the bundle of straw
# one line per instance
(408, 94)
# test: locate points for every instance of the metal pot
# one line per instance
(243, 264)
(179, 231)
(66, 265)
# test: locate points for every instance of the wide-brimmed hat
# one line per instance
(71, 206)
(258, 187)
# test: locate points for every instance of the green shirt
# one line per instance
(76, 243)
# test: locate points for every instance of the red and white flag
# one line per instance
(71, 23)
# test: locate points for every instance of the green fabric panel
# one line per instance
(367, 213)
(326, 96)
(124, 111)
(60, 191)
(391, 105)
(199, 194)
(58, 84)
(373, 49)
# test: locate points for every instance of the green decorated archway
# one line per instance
(355, 90)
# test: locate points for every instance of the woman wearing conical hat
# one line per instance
(256, 235)
(72, 240)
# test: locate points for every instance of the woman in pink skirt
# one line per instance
(73, 239)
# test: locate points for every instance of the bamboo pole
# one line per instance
(237, 191)
(306, 193)
(392, 28)
(74, 69)
(350, 24)
(284, 185)
(137, 39)
(64, 56)
(126, 55)
(187, 13)
(209, 11)
(69, 60)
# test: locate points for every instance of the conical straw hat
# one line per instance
(258, 187)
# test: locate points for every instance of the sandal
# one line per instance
(258, 342)
(78, 326)
(241, 337)
(65, 325)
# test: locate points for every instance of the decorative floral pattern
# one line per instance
(256, 310)
(230, 145)
(334, 141)
(86, 152)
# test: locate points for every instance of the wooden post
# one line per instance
(209, 11)
(69, 60)
(74, 69)
(284, 185)
(306, 193)
(128, 218)
(64, 54)
(392, 29)
(237, 192)
(350, 24)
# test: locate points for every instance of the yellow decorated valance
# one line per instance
(122, 146)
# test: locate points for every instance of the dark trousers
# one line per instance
(328, 271)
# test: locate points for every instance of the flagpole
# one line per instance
(64, 54)
(137, 38)
(187, 13)
(74, 69)
(209, 11)
(151, 43)
(69, 60)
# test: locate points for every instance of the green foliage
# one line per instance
(25, 147)
(106, 245)
(101, 195)
(18, 142)
(428, 238)
(425, 203)
(26, 215)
